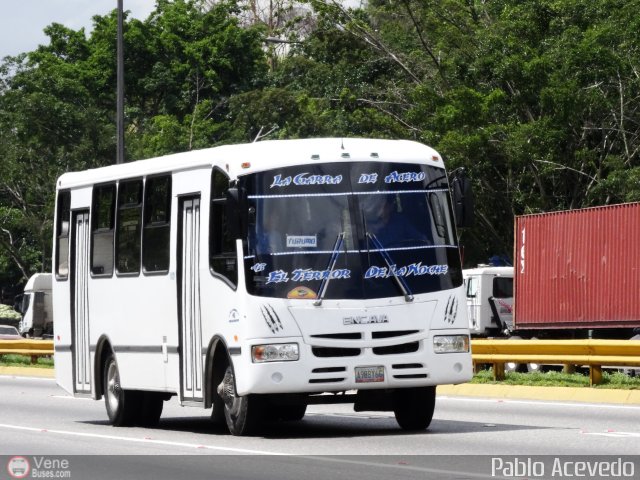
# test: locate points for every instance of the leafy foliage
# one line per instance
(537, 100)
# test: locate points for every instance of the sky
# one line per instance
(22, 21)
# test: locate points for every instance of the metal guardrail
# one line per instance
(571, 353)
(29, 348)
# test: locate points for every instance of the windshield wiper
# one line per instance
(332, 263)
(404, 288)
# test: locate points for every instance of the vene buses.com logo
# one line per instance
(18, 467)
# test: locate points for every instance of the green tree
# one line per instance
(57, 107)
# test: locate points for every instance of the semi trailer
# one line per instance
(576, 274)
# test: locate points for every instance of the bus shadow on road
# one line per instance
(331, 426)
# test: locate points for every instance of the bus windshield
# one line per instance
(367, 229)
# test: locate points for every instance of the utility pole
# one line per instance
(120, 89)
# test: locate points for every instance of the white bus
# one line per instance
(258, 279)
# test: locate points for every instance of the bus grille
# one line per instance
(397, 349)
(326, 352)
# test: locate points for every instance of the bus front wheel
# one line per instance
(413, 407)
(290, 413)
(242, 414)
(122, 405)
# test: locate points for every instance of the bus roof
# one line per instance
(262, 156)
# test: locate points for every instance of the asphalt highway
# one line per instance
(37, 418)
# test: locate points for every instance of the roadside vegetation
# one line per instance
(610, 379)
(538, 100)
(24, 361)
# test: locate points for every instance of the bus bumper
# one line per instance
(367, 370)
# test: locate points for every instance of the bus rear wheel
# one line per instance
(413, 407)
(242, 414)
(151, 405)
(122, 405)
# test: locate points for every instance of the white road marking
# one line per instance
(359, 416)
(538, 402)
(138, 440)
(147, 440)
(69, 397)
(6, 376)
(614, 434)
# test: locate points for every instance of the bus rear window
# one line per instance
(128, 227)
(157, 224)
(102, 232)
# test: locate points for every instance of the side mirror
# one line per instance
(463, 204)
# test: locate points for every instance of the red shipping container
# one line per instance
(578, 268)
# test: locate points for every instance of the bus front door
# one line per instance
(80, 302)
(189, 284)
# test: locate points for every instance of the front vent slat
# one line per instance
(397, 349)
(340, 336)
(326, 380)
(329, 370)
(327, 352)
(393, 333)
(407, 365)
(411, 376)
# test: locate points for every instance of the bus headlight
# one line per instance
(277, 352)
(451, 344)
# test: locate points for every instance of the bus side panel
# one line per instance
(137, 315)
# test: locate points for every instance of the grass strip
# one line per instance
(610, 379)
(11, 360)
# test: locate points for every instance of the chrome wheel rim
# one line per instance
(227, 391)
(113, 387)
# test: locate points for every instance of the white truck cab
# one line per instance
(489, 293)
(36, 307)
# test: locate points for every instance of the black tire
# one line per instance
(290, 413)
(123, 406)
(413, 407)
(535, 367)
(151, 409)
(242, 414)
(217, 413)
(513, 366)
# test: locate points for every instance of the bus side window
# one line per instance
(63, 220)
(102, 229)
(223, 258)
(128, 227)
(157, 224)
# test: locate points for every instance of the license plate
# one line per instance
(369, 374)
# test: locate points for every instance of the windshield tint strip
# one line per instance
(373, 250)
